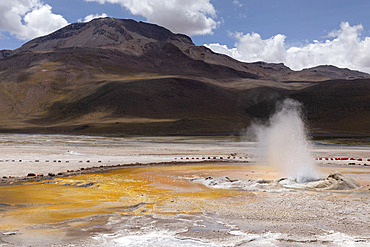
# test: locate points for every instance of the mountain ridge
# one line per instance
(131, 37)
(126, 77)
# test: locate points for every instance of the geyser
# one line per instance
(283, 143)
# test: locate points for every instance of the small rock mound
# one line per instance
(336, 181)
(247, 185)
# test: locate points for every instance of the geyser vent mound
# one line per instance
(333, 182)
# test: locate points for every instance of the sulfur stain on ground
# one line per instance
(130, 191)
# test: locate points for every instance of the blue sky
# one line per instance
(299, 20)
(296, 32)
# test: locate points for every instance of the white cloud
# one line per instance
(237, 3)
(28, 19)
(345, 49)
(92, 16)
(191, 17)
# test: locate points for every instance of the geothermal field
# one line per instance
(270, 187)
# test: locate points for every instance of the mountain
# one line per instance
(113, 76)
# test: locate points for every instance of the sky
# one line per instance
(298, 33)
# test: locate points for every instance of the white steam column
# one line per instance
(283, 143)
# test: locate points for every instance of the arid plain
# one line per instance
(153, 197)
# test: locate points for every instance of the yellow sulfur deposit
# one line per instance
(130, 191)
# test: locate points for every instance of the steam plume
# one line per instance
(283, 143)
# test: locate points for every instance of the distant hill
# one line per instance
(333, 72)
(113, 76)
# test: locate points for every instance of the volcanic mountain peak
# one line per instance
(104, 32)
(160, 50)
(128, 77)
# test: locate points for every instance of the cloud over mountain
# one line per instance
(191, 17)
(28, 19)
(345, 48)
(92, 16)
